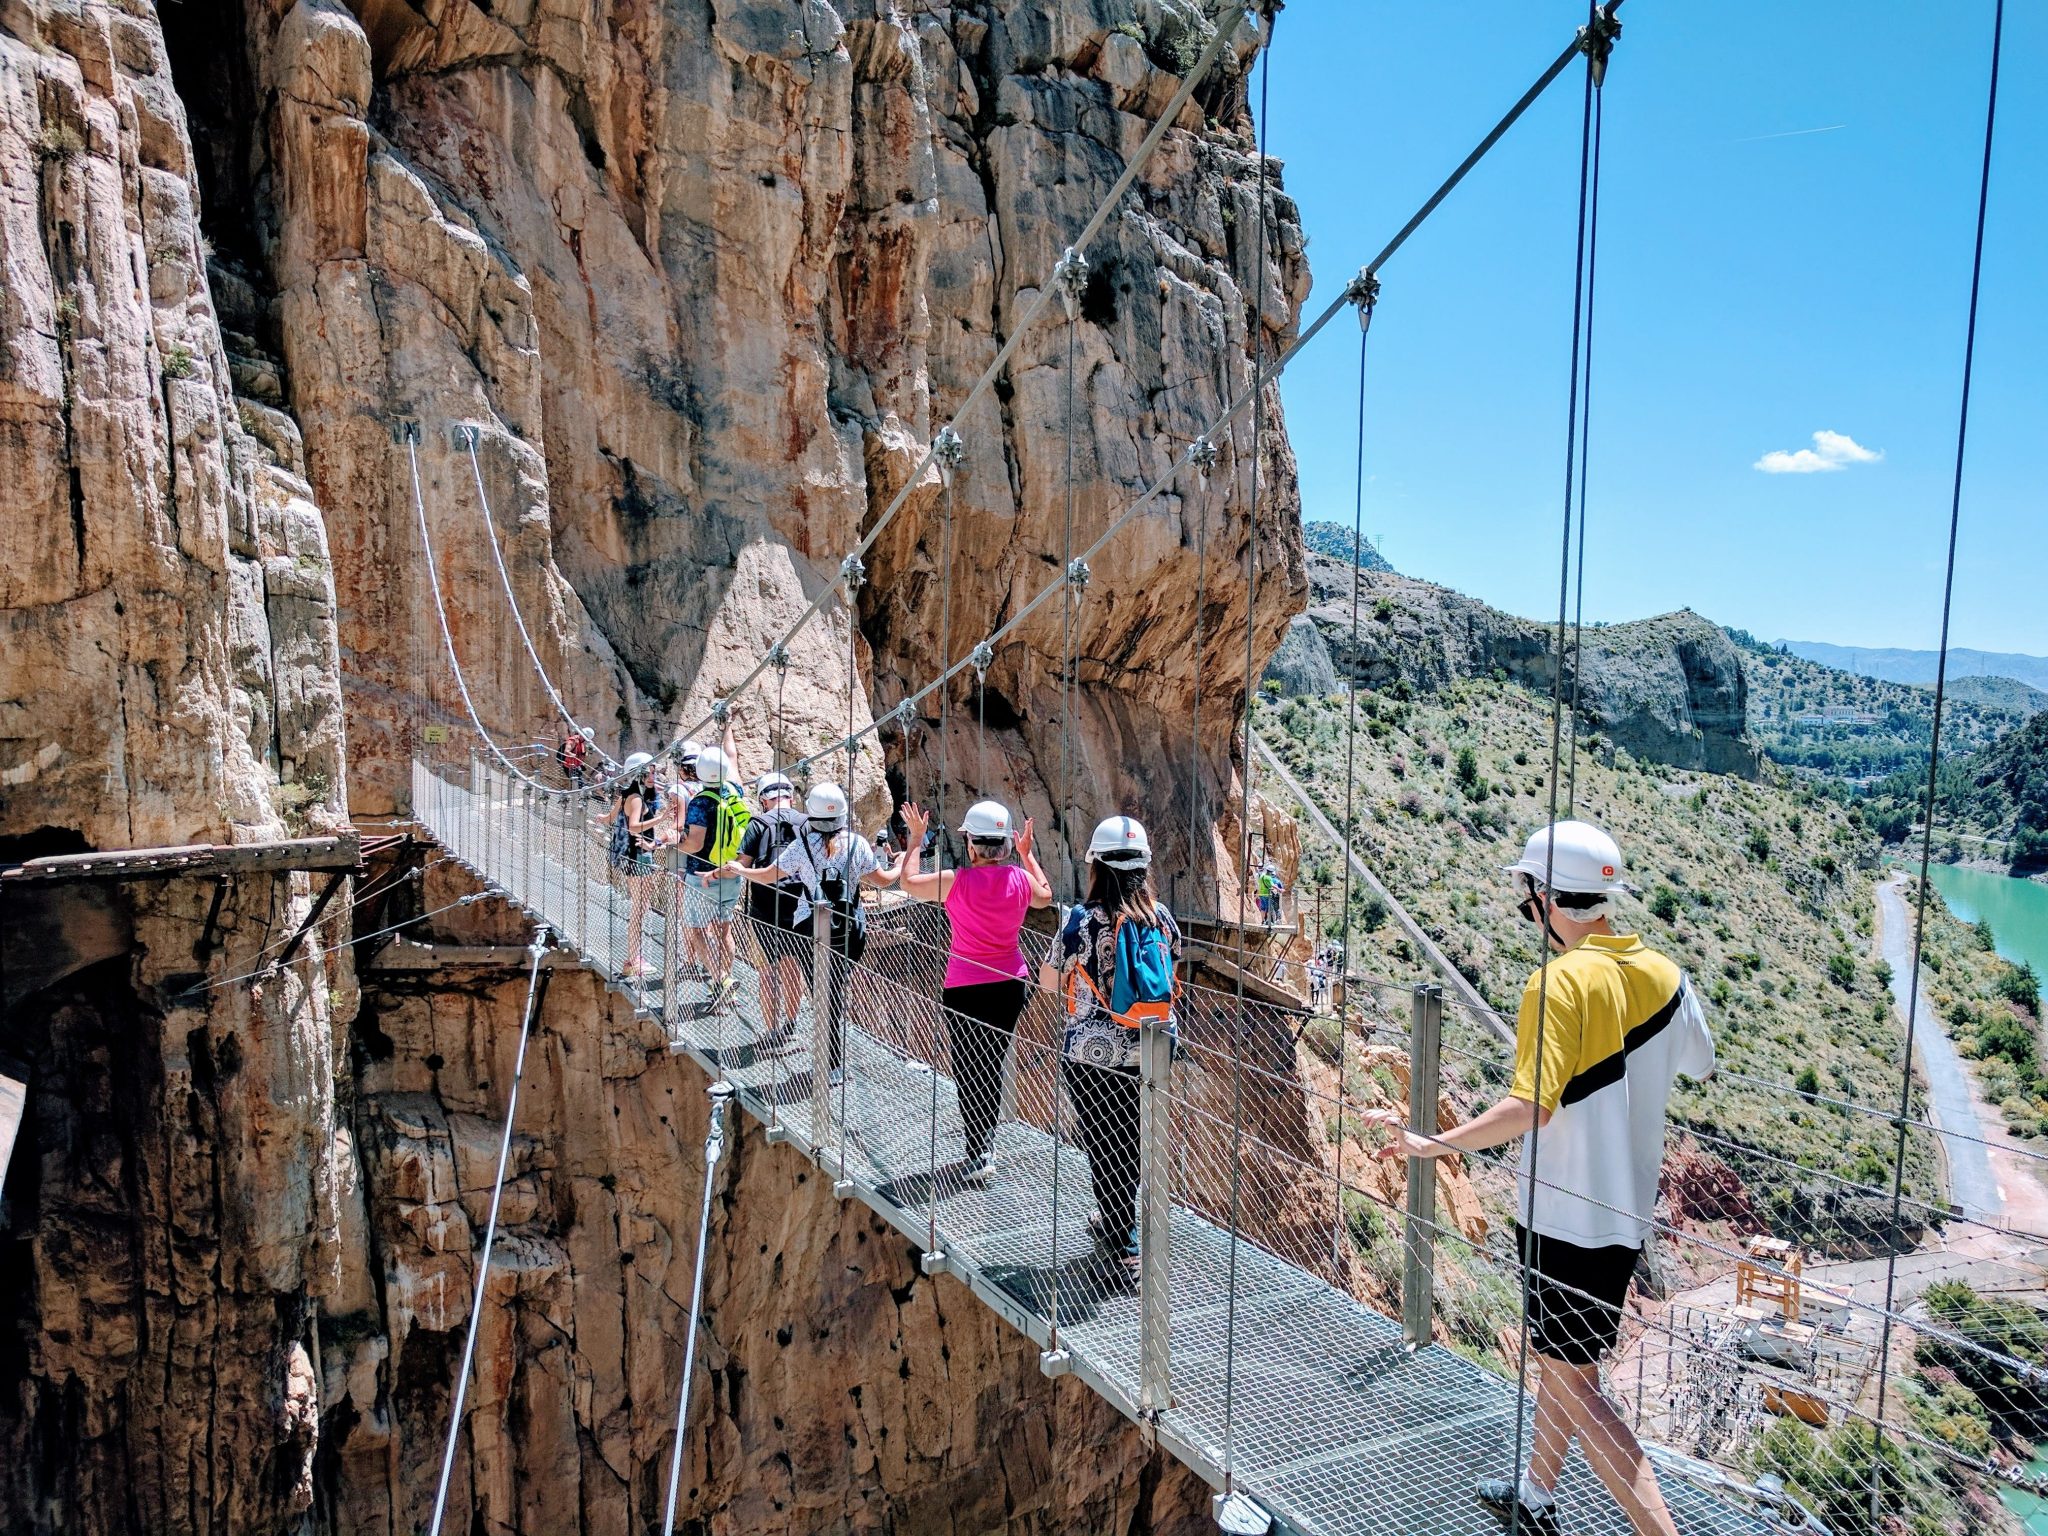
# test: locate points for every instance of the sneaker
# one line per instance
(723, 994)
(912, 1064)
(979, 1172)
(838, 1076)
(1501, 1497)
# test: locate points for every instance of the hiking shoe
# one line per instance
(723, 994)
(838, 1076)
(1502, 1497)
(979, 1172)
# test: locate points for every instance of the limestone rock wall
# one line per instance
(168, 674)
(705, 281)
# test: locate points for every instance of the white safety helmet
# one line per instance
(826, 806)
(685, 753)
(772, 785)
(1121, 840)
(1581, 861)
(636, 765)
(712, 768)
(587, 734)
(987, 821)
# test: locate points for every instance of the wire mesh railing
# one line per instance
(1213, 1240)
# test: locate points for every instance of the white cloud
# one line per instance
(1830, 451)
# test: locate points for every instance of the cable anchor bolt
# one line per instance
(721, 710)
(948, 451)
(1071, 275)
(983, 657)
(778, 656)
(1078, 574)
(1596, 40)
(1364, 291)
(904, 715)
(1202, 454)
(465, 436)
(853, 573)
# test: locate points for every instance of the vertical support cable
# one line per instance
(1367, 287)
(714, 1149)
(1244, 828)
(1069, 276)
(535, 951)
(1948, 586)
(949, 451)
(1571, 782)
(1591, 43)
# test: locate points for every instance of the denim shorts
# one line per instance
(708, 900)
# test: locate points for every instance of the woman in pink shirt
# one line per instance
(985, 973)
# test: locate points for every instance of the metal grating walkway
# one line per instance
(1333, 1424)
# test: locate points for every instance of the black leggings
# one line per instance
(1106, 1107)
(982, 1024)
(849, 944)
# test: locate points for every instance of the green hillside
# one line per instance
(1998, 793)
(1763, 892)
(1877, 728)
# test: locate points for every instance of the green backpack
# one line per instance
(735, 815)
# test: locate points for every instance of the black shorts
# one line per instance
(1575, 1296)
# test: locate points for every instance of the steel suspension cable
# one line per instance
(448, 639)
(483, 502)
(1948, 588)
(946, 649)
(1351, 753)
(1226, 26)
(1067, 607)
(1593, 42)
(1262, 128)
(537, 950)
(1571, 789)
(714, 1150)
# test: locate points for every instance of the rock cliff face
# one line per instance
(703, 281)
(168, 675)
(1670, 688)
(697, 283)
(849, 1392)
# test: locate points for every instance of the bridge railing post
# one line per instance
(822, 1024)
(1155, 1218)
(1418, 1245)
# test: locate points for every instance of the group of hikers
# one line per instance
(1114, 962)
(1603, 1029)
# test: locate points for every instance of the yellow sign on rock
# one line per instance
(436, 734)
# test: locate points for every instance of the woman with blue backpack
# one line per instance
(983, 995)
(1117, 952)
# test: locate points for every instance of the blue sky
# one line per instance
(1758, 283)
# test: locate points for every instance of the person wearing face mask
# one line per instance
(832, 865)
(1604, 1028)
(985, 969)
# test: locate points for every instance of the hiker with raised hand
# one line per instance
(636, 814)
(1116, 957)
(1604, 1028)
(983, 992)
(714, 824)
(832, 865)
(773, 908)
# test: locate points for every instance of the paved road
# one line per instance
(1971, 1183)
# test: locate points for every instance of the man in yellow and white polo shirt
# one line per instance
(1604, 1028)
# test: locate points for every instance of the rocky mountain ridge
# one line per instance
(1670, 689)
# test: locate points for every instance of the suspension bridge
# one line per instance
(1243, 1344)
